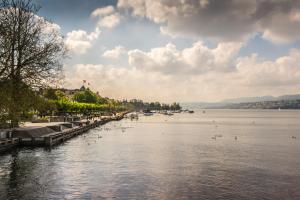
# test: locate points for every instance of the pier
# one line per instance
(50, 134)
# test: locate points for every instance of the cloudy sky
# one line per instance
(180, 50)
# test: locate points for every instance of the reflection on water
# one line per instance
(166, 157)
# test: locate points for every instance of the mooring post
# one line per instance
(48, 141)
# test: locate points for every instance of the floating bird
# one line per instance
(235, 137)
(294, 137)
(214, 138)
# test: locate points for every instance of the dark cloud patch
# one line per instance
(222, 20)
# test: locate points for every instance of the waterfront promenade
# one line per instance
(49, 134)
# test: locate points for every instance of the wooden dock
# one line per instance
(7, 144)
(54, 138)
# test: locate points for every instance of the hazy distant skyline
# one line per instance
(180, 50)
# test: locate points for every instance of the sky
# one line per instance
(180, 50)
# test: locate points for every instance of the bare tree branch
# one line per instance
(31, 50)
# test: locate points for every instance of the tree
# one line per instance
(86, 96)
(175, 106)
(31, 52)
(50, 94)
(61, 95)
(45, 107)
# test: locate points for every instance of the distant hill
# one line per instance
(249, 99)
(280, 104)
(201, 105)
(263, 102)
(262, 98)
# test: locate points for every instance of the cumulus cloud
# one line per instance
(283, 71)
(99, 12)
(107, 16)
(191, 74)
(79, 41)
(230, 20)
(115, 81)
(198, 72)
(114, 53)
(49, 27)
(196, 59)
(110, 21)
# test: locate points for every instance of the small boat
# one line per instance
(167, 113)
(176, 111)
(148, 114)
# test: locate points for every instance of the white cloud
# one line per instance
(50, 27)
(108, 17)
(114, 53)
(197, 73)
(49, 30)
(229, 20)
(283, 71)
(99, 12)
(110, 21)
(163, 59)
(79, 41)
(117, 82)
(196, 59)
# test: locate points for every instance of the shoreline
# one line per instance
(51, 135)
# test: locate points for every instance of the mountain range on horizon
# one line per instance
(240, 100)
(261, 98)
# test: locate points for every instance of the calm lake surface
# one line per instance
(166, 157)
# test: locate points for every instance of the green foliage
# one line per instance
(16, 100)
(50, 94)
(86, 96)
(61, 95)
(45, 107)
(85, 108)
(175, 106)
(140, 105)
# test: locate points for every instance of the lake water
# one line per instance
(166, 157)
